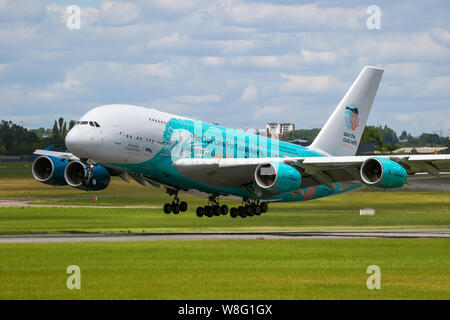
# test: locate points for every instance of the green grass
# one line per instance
(74, 220)
(393, 209)
(252, 269)
(255, 269)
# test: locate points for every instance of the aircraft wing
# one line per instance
(63, 155)
(230, 172)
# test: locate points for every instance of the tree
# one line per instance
(371, 134)
(61, 121)
(2, 147)
(304, 134)
(389, 135)
(64, 129)
(404, 135)
(55, 129)
(431, 140)
(16, 140)
(71, 124)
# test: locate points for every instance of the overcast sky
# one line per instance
(238, 63)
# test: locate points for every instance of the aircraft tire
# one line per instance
(264, 207)
(167, 208)
(224, 209)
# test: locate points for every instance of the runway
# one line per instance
(263, 235)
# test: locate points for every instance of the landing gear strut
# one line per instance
(212, 209)
(176, 206)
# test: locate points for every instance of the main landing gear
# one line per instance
(212, 209)
(249, 209)
(176, 206)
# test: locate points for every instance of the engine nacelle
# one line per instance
(76, 175)
(383, 173)
(49, 170)
(277, 177)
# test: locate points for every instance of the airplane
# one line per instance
(219, 163)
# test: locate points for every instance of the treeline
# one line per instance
(16, 140)
(384, 138)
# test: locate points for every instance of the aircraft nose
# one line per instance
(74, 142)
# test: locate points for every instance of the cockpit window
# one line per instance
(91, 123)
(83, 122)
(96, 124)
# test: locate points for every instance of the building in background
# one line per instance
(275, 129)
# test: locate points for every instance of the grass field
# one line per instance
(254, 269)
(234, 269)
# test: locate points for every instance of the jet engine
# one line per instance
(277, 177)
(383, 173)
(49, 170)
(78, 175)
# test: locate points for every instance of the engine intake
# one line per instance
(49, 170)
(77, 175)
(383, 173)
(277, 177)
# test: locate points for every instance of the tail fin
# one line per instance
(343, 131)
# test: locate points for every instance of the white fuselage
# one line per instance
(118, 134)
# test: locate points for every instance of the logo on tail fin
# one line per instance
(351, 117)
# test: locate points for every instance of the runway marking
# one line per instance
(265, 235)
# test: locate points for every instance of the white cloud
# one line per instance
(171, 41)
(287, 16)
(208, 98)
(309, 84)
(441, 34)
(118, 13)
(250, 94)
(69, 83)
(418, 47)
(438, 86)
(158, 70)
(213, 61)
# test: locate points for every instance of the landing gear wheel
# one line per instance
(249, 210)
(242, 212)
(209, 211)
(167, 208)
(217, 211)
(183, 206)
(224, 209)
(199, 212)
(176, 209)
(264, 207)
(257, 210)
(233, 212)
